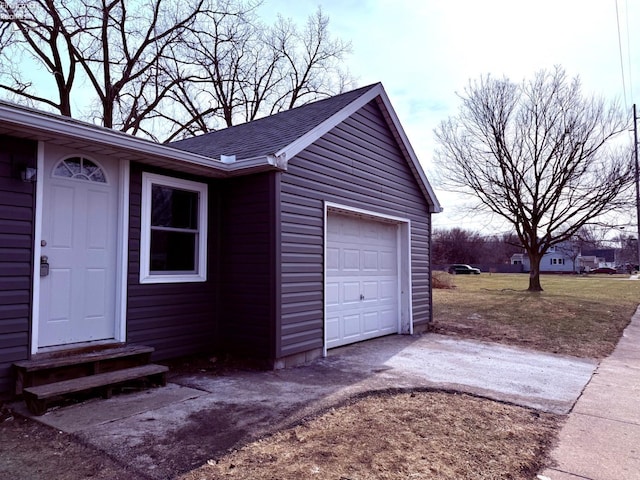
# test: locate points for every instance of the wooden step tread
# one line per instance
(86, 357)
(75, 385)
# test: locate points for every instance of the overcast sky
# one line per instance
(424, 51)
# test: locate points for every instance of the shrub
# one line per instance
(442, 280)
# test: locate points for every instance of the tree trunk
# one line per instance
(534, 274)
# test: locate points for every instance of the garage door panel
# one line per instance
(388, 290)
(351, 326)
(333, 294)
(370, 261)
(333, 259)
(371, 322)
(362, 299)
(350, 260)
(350, 292)
(332, 329)
(370, 291)
(388, 262)
(388, 320)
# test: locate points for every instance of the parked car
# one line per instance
(461, 269)
(607, 270)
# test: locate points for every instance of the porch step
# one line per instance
(37, 397)
(59, 366)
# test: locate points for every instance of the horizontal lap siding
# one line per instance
(176, 319)
(17, 200)
(247, 276)
(357, 164)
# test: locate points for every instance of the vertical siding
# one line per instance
(357, 164)
(248, 279)
(17, 204)
(176, 319)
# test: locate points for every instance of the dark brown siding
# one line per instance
(249, 271)
(17, 203)
(357, 164)
(177, 319)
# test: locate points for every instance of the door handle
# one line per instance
(361, 296)
(44, 266)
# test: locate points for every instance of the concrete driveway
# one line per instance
(167, 431)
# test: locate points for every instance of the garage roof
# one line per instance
(280, 137)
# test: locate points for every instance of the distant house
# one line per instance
(521, 259)
(561, 258)
(596, 258)
(276, 239)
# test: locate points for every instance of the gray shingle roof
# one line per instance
(268, 135)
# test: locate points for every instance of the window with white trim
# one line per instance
(173, 237)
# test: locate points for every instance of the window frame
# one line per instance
(80, 177)
(200, 274)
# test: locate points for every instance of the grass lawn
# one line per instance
(574, 315)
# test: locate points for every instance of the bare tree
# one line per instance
(34, 31)
(457, 246)
(243, 70)
(539, 155)
(119, 46)
(498, 249)
(149, 66)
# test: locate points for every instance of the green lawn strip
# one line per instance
(574, 315)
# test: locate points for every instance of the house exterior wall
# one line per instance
(175, 318)
(17, 205)
(558, 259)
(356, 164)
(556, 262)
(248, 269)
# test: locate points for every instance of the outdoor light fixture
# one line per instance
(28, 174)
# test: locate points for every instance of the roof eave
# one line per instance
(409, 152)
(375, 92)
(55, 125)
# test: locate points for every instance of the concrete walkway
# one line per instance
(601, 438)
(167, 431)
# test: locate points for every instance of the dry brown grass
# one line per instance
(575, 315)
(442, 280)
(398, 436)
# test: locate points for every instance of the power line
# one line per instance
(624, 86)
(630, 70)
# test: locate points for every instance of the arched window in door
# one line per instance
(80, 168)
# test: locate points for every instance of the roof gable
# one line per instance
(268, 135)
(281, 136)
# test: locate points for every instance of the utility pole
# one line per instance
(637, 178)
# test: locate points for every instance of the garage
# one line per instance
(362, 279)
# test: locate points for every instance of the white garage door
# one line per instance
(361, 279)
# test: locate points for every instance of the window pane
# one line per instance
(92, 171)
(62, 171)
(73, 164)
(172, 251)
(171, 207)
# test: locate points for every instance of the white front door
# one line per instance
(79, 241)
(362, 280)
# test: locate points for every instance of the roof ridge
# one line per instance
(267, 135)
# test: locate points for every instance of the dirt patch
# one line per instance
(399, 436)
(394, 435)
(33, 451)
